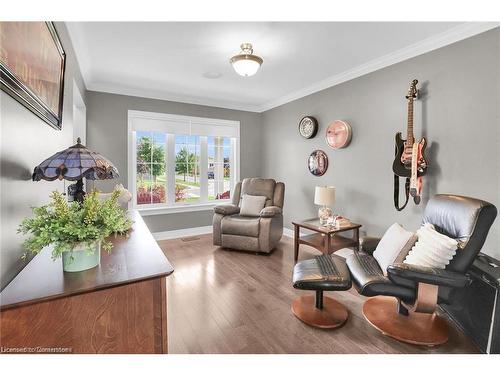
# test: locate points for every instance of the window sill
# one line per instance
(166, 210)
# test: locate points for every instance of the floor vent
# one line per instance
(189, 239)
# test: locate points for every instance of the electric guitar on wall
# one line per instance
(410, 160)
(404, 148)
(415, 181)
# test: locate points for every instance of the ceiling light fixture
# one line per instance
(246, 64)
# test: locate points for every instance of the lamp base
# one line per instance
(324, 214)
(76, 192)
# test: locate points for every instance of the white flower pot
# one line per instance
(82, 257)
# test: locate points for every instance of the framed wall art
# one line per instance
(32, 63)
(338, 134)
(308, 127)
(318, 163)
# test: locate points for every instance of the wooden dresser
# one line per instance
(117, 307)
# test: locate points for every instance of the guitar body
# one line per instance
(415, 181)
(403, 153)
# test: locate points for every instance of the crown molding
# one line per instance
(179, 98)
(448, 37)
(458, 33)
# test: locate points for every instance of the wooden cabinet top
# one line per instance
(133, 258)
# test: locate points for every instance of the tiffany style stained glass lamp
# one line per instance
(74, 164)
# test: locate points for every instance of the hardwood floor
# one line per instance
(223, 301)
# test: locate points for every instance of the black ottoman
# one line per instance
(325, 272)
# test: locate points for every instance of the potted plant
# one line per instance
(77, 231)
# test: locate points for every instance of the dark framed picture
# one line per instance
(317, 163)
(32, 63)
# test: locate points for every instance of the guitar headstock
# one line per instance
(412, 91)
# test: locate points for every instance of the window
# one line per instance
(151, 167)
(181, 163)
(219, 168)
(187, 168)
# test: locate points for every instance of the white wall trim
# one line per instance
(460, 32)
(196, 231)
(179, 233)
(288, 232)
(178, 208)
(183, 118)
(432, 43)
(169, 96)
(170, 206)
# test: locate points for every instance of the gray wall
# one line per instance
(107, 134)
(25, 141)
(458, 113)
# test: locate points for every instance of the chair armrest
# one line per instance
(368, 244)
(227, 209)
(427, 275)
(270, 211)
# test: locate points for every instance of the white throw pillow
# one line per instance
(395, 240)
(432, 249)
(251, 205)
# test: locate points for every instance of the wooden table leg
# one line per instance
(355, 237)
(327, 244)
(296, 243)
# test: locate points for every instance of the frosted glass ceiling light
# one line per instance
(246, 64)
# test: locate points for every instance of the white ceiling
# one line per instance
(170, 60)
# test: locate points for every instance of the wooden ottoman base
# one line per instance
(332, 314)
(416, 328)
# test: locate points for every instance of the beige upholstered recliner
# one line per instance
(252, 233)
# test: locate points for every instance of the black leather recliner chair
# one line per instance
(406, 299)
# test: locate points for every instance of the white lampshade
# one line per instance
(324, 195)
(246, 67)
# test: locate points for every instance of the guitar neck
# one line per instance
(409, 135)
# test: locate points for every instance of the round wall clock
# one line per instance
(308, 127)
(338, 134)
(318, 163)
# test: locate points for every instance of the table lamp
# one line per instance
(324, 196)
(74, 164)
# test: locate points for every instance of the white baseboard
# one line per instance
(188, 232)
(171, 234)
(288, 232)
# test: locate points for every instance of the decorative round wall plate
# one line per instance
(308, 127)
(338, 134)
(318, 163)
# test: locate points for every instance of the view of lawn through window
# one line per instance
(187, 168)
(152, 172)
(151, 167)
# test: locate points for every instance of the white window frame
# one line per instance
(190, 122)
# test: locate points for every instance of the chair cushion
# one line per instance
(395, 240)
(432, 249)
(259, 186)
(369, 280)
(240, 225)
(324, 272)
(251, 205)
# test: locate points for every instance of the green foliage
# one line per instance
(66, 224)
(148, 153)
(185, 162)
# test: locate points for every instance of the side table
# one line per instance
(326, 238)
